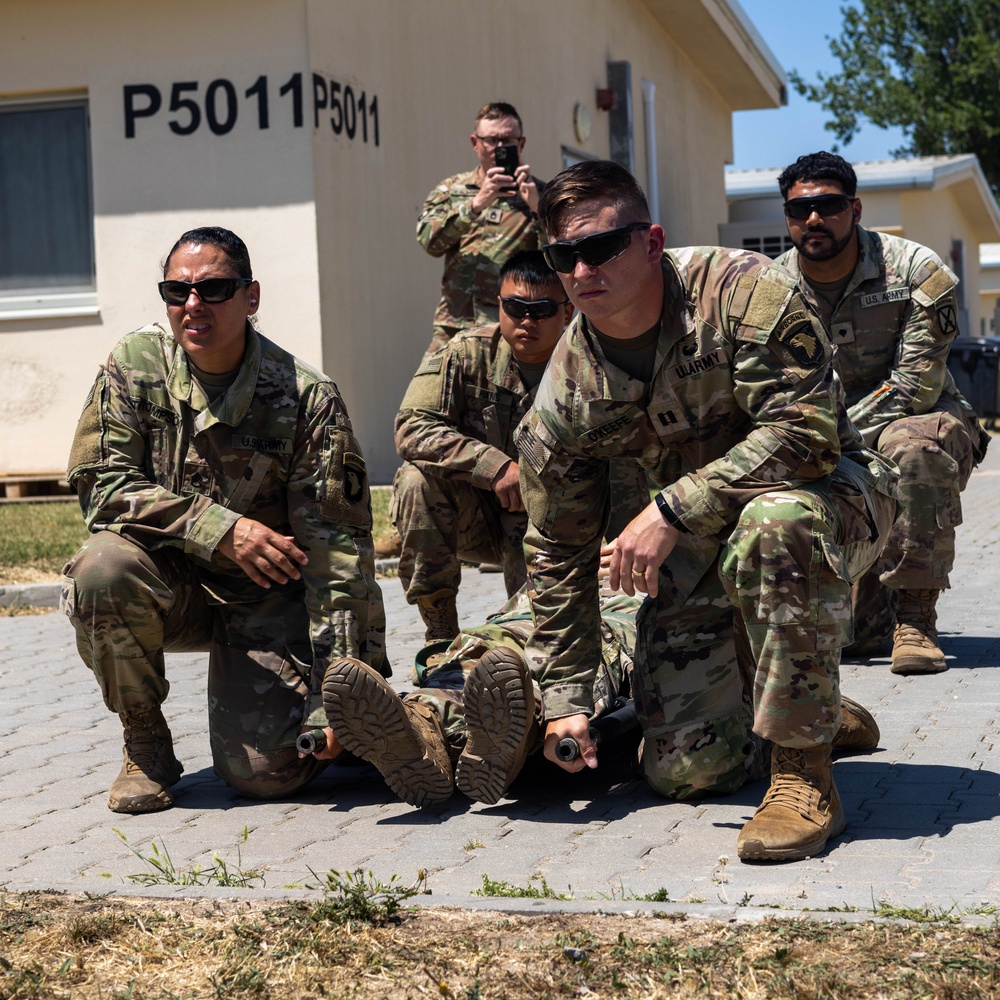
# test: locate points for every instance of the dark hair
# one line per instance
(496, 110)
(229, 243)
(528, 267)
(822, 166)
(591, 180)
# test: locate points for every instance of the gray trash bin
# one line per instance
(974, 363)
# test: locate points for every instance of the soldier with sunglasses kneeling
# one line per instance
(229, 508)
(456, 496)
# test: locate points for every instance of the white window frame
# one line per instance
(54, 303)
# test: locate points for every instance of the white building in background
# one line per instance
(989, 289)
(314, 129)
(943, 202)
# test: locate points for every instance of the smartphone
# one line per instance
(506, 157)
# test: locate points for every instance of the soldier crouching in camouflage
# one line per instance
(456, 496)
(706, 366)
(229, 506)
(891, 310)
(479, 713)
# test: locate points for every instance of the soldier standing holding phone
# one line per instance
(478, 219)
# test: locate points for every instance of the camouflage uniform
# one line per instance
(442, 686)
(474, 250)
(744, 429)
(162, 475)
(892, 330)
(454, 432)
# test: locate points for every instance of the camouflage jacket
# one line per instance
(459, 413)
(891, 330)
(743, 400)
(156, 463)
(474, 249)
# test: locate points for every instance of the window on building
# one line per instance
(46, 209)
(771, 246)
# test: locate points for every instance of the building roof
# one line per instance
(909, 173)
(722, 42)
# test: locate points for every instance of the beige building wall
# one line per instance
(330, 219)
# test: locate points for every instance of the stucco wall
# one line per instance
(329, 220)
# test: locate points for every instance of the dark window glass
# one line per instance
(46, 206)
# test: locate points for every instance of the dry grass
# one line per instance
(70, 946)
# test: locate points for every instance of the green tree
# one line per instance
(931, 67)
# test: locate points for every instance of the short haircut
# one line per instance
(591, 180)
(228, 242)
(496, 110)
(822, 166)
(528, 267)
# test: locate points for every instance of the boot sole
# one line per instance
(918, 665)
(141, 804)
(754, 850)
(370, 721)
(499, 709)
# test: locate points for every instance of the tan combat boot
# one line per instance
(800, 811)
(500, 716)
(440, 615)
(403, 739)
(915, 647)
(858, 730)
(149, 767)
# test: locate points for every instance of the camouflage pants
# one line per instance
(786, 572)
(442, 686)
(442, 521)
(128, 606)
(935, 452)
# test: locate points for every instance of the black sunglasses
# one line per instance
(175, 293)
(822, 204)
(517, 308)
(592, 250)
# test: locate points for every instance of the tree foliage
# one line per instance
(931, 67)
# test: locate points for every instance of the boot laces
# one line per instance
(143, 745)
(911, 634)
(792, 787)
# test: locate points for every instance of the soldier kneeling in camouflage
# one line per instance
(456, 495)
(479, 714)
(707, 367)
(209, 462)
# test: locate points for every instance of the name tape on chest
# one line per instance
(271, 446)
(884, 297)
(697, 365)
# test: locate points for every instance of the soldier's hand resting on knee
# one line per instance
(264, 555)
(640, 551)
(577, 727)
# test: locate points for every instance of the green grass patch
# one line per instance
(381, 525)
(39, 536)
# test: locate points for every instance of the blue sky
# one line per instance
(797, 35)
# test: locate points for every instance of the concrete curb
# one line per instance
(30, 595)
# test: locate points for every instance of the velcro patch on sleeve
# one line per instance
(939, 283)
(766, 304)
